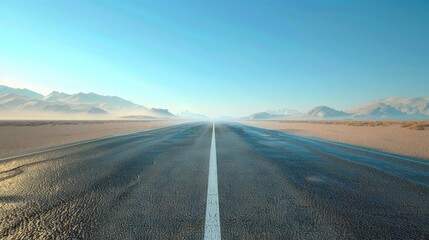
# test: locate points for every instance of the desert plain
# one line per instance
(409, 138)
(20, 137)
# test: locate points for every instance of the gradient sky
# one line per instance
(219, 57)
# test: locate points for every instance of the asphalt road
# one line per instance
(271, 185)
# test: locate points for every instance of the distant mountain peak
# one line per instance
(161, 112)
(4, 90)
(325, 112)
(56, 96)
(394, 108)
(263, 115)
(107, 103)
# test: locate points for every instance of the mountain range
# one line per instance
(389, 108)
(15, 100)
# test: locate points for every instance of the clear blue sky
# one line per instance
(219, 57)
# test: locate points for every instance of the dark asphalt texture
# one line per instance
(272, 185)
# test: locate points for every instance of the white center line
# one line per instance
(212, 226)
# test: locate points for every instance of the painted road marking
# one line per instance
(212, 226)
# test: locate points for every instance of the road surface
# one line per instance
(270, 185)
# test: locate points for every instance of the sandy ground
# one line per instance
(18, 137)
(393, 138)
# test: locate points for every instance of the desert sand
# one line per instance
(392, 137)
(19, 137)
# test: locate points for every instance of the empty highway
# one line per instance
(188, 182)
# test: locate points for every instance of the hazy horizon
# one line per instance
(47, 115)
(219, 58)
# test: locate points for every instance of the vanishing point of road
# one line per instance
(199, 180)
